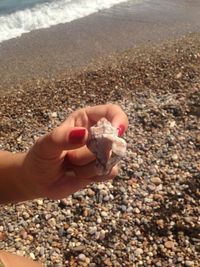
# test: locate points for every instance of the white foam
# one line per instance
(49, 14)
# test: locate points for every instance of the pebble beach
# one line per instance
(150, 214)
(145, 57)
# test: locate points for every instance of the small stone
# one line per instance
(18, 245)
(180, 259)
(136, 210)
(82, 257)
(138, 252)
(61, 231)
(54, 115)
(41, 252)
(172, 124)
(39, 202)
(79, 248)
(103, 192)
(169, 244)
(2, 236)
(179, 75)
(198, 138)
(104, 214)
(135, 166)
(160, 223)
(52, 222)
(99, 220)
(123, 208)
(174, 157)
(10, 228)
(106, 198)
(90, 192)
(32, 255)
(92, 230)
(189, 263)
(26, 215)
(156, 180)
(158, 197)
(23, 234)
(102, 235)
(19, 139)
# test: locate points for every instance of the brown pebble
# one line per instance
(198, 138)
(2, 236)
(23, 234)
(158, 197)
(160, 223)
(156, 180)
(169, 244)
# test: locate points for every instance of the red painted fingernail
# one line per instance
(121, 130)
(76, 136)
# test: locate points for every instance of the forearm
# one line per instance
(12, 177)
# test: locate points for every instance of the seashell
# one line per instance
(104, 142)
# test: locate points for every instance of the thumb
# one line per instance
(53, 143)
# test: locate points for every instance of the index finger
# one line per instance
(111, 112)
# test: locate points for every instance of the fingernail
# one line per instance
(76, 136)
(121, 129)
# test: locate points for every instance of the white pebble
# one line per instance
(81, 257)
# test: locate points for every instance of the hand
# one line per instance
(59, 163)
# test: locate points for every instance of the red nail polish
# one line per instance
(76, 136)
(121, 130)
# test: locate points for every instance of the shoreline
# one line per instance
(48, 52)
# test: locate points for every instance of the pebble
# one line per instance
(99, 220)
(175, 157)
(54, 115)
(10, 228)
(136, 210)
(156, 180)
(198, 138)
(26, 215)
(189, 263)
(42, 251)
(39, 202)
(104, 214)
(82, 257)
(90, 192)
(138, 252)
(2, 236)
(23, 234)
(32, 255)
(52, 222)
(169, 244)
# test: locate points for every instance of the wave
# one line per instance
(49, 14)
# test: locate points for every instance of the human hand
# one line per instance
(59, 163)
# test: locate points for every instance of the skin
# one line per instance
(56, 166)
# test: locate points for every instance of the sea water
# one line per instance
(22, 16)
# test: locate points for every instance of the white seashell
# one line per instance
(104, 142)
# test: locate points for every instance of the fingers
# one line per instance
(73, 132)
(71, 184)
(89, 171)
(61, 138)
(111, 112)
(88, 116)
(110, 176)
(81, 156)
